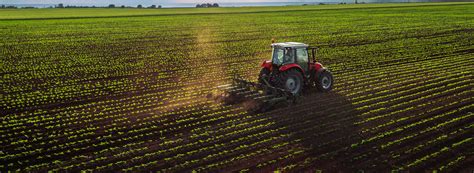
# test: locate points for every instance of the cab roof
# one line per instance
(290, 44)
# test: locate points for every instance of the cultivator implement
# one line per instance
(256, 97)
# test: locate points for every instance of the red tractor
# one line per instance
(291, 69)
(281, 79)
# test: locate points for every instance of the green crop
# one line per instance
(112, 90)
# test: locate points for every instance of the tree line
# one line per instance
(207, 5)
(109, 6)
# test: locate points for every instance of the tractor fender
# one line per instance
(267, 64)
(319, 71)
(317, 66)
(291, 66)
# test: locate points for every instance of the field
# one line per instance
(126, 89)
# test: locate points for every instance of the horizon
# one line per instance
(136, 1)
(154, 2)
(190, 3)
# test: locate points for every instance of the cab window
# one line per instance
(289, 55)
(302, 55)
(283, 56)
(278, 56)
(302, 58)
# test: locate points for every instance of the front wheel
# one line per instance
(324, 81)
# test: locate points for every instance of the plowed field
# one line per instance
(126, 89)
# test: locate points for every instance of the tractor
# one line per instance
(291, 69)
(281, 79)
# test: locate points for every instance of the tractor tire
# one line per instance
(291, 80)
(324, 81)
(264, 74)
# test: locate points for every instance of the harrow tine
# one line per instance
(264, 97)
(246, 92)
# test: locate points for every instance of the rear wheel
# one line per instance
(292, 80)
(324, 81)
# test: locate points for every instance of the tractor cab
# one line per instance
(290, 53)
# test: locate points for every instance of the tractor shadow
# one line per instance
(323, 125)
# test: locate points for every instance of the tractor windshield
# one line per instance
(282, 56)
